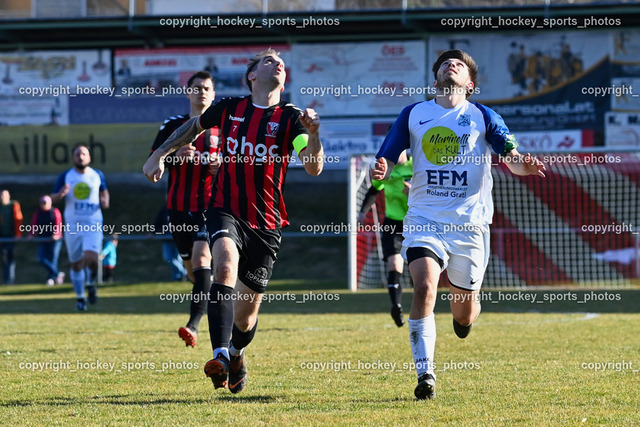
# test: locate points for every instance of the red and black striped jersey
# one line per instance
(257, 144)
(189, 188)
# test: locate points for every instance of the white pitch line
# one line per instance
(587, 316)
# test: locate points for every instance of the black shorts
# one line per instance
(258, 248)
(391, 242)
(187, 228)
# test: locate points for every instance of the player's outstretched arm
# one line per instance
(312, 157)
(524, 164)
(154, 166)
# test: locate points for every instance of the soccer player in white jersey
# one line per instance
(450, 205)
(85, 192)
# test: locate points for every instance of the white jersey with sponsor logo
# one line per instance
(82, 203)
(451, 151)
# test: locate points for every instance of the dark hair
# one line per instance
(80, 144)
(204, 75)
(462, 56)
(254, 61)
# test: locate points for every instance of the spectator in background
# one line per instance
(109, 257)
(124, 70)
(10, 227)
(211, 66)
(169, 249)
(46, 223)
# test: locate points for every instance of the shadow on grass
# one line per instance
(69, 401)
(131, 400)
(234, 398)
(54, 290)
(345, 302)
(23, 290)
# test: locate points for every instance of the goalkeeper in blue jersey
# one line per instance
(396, 195)
(450, 205)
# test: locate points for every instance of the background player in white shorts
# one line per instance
(450, 205)
(85, 192)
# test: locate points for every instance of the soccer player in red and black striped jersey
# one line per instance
(191, 171)
(258, 134)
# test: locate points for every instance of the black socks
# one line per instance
(395, 289)
(220, 315)
(199, 297)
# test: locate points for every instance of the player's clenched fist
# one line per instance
(310, 120)
(379, 170)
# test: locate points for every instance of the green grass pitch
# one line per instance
(322, 356)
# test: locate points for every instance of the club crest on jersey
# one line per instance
(272, 128)
(464, 120)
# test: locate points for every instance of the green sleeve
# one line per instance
(378, 185)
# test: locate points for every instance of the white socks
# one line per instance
(77, 278)
(223, 351)
(235, 352)
(422, 334)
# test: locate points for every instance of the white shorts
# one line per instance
(78, 243)
(463, 249)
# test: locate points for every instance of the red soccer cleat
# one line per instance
(190, 337)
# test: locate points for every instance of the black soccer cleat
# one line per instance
(237, 373)
(426, 388)
(461, 331)
(93, 294)
(396, 314)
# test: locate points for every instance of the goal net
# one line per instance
(366, 267)
(578, 226)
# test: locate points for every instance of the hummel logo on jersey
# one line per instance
(236, 119)
(425, 121)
